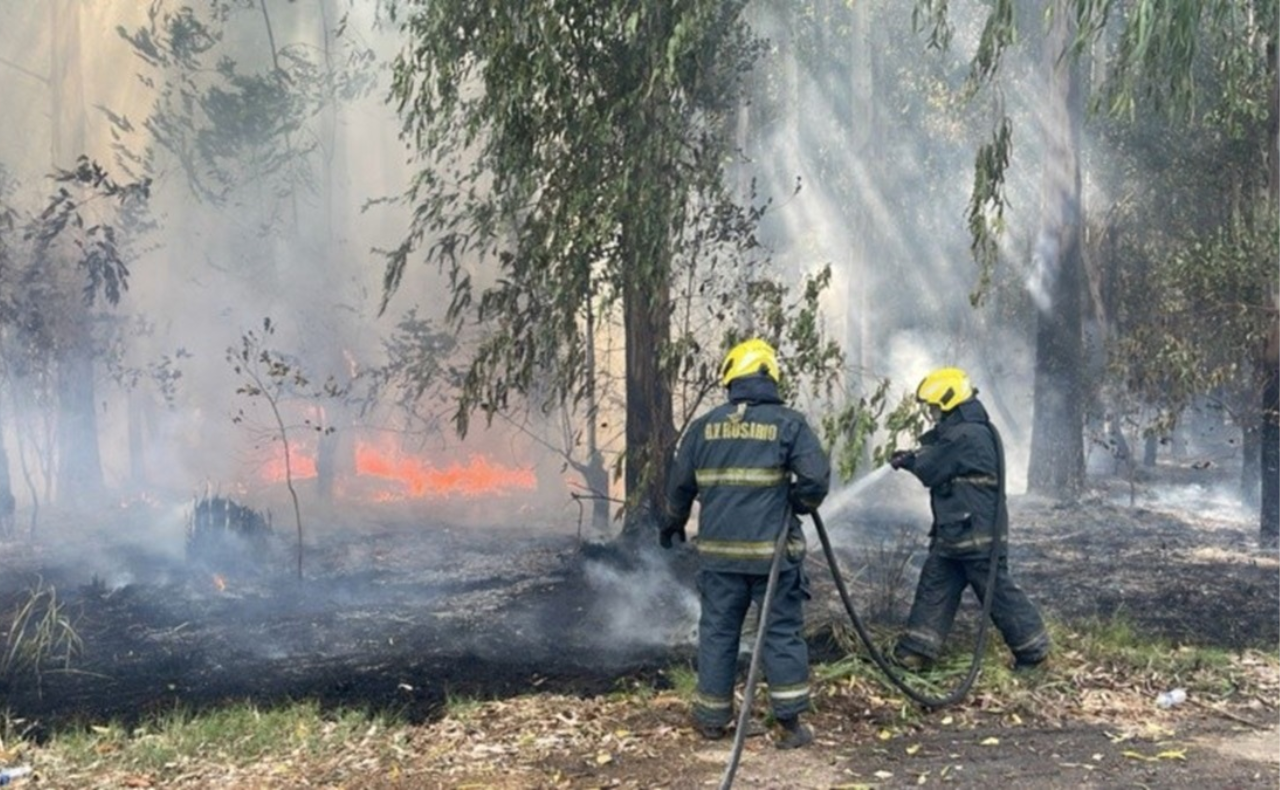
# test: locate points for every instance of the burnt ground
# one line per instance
(400, 610)
(392, 617)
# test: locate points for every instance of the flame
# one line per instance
(219, 582)
(478, 477)
(416, 478)
(300, 466)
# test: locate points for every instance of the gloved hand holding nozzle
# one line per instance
(902, 459)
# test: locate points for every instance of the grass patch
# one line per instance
(40, 633)
(236, 735)
(633, 690)
(684, 681)
(1089, 656)
(461, 708)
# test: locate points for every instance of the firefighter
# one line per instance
(753, 464)
(961, 461)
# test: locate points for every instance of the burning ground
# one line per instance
(405, 606)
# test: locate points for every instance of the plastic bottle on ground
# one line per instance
(1170, 698)
(7, 775)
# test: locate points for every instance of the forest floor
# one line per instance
(522, 657)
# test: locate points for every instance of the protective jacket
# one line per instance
(739, 460)
(959, 461)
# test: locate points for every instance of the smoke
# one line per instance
(1209, 501)
(645, 606)
(1044, 271)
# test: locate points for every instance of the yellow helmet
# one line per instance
(945, 388)
(748, 358)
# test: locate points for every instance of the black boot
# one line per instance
(795, 734)
(909, 659)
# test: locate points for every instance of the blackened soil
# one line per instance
(397, 616)
(394, 620)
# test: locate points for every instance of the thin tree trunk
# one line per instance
(137, 457)
(79, 459)
(1269, 516)
(8, 503)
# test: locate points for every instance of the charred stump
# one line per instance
(226, 536)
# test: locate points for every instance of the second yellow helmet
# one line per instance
(945, 388)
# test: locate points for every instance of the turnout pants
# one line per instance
(943, 581)
(726, 597)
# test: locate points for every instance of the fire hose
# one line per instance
(748, 693)
(932, 703)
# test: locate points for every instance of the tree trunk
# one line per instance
(595, 475)
(79, 466)
(1251, 454)
(66, 84)
(650, 433)
(137, 453)
(1057, 442)
(862, 127)
(79, 460)
(1270, 515)
(8, 504)
(646, 240)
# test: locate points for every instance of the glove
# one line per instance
(668, 532)
(797, 506)
(902, 459)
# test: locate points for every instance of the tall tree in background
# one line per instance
(573, 142)
(76, 255)
(1057, 437)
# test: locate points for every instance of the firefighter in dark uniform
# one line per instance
(961, 460)
(752, 464)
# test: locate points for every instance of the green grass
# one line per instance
(1112, 649)
(684, 681)
(461, 707)
(40, 634)
(235, 735)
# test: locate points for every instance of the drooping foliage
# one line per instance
(571, 158)
(1181, 57)
(65, 261)
(534, 126)
(228, 124)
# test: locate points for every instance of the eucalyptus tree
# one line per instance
(1154, 57)
(7, 311)
(1182, 265)
(579, 146)
(66, 261)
